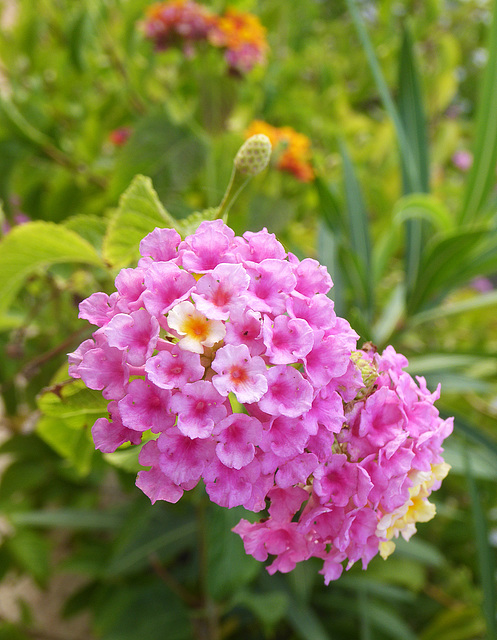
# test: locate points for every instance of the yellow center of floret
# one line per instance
(195, 330)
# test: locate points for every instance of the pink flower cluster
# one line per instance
(226, 352)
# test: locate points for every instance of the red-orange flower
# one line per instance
(292, 149)
(244, 38)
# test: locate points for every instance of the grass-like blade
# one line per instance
(481, 178)
(485, 553)
(406, 152)
(412, 115)
(359, 234)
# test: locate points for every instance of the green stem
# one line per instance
(236, 185)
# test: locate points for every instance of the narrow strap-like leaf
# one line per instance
(481, 178)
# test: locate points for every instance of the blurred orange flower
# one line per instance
(292, 149)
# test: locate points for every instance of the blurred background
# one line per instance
(383, 121)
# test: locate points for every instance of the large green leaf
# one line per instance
(36, 245)
(139, 212)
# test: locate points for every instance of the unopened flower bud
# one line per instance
(254, 154)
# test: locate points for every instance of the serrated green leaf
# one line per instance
(74, 403)
(189, 225)
(140, 212)
(35, 245)
(91, 228)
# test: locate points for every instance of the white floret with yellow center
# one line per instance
(195, 331)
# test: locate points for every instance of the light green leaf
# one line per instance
(189, 225)
(140, 212)
(90, 227)
(36, 245)
(75, 445)
(74, 403)
(477, 302)
(423, 206)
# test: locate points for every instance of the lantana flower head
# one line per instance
(243, 37)
(222, 356)
(292, 149)
(177, 23)
(183, 23)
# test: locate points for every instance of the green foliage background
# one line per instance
(387, 92)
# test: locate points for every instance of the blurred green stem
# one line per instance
(207, 622)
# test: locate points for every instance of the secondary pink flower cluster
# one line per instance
(183, 23)
(229, 351)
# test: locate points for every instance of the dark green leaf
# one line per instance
(32, 553)
(37, 245)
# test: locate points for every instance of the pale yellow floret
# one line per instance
(417, 509)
